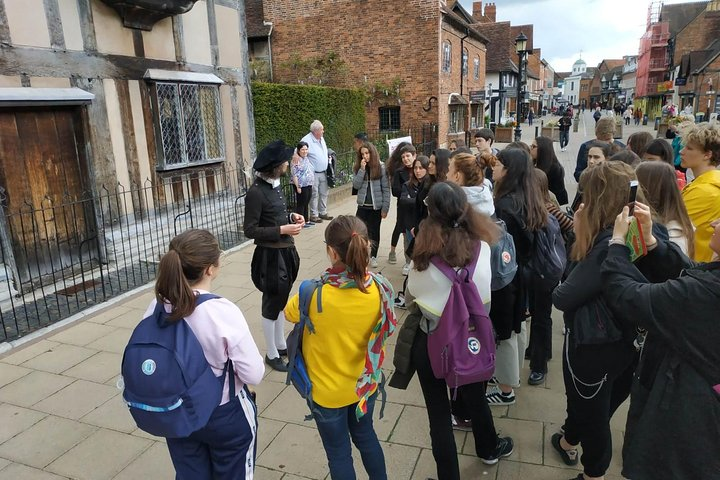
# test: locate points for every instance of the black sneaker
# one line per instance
(570, 457)
(282, 352)
(504, 448)
(400, 301)
(536, 378)
(276, 364)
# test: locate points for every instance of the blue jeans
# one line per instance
(336, 426)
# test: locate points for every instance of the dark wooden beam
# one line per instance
(138, 43)
(245, 80)
(179, 39)
(38, 62)
(4, 27)
(86, 25)
(52, 13)
(212, 28)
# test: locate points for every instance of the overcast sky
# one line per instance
(563, 28)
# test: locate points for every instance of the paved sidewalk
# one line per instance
(62, 416)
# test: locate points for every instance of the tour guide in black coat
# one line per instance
(275, 262)
(673, 425)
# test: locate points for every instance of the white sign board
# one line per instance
(392, 144)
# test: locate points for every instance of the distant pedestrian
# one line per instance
(531, 116)
(627, 116)
(318, 155)
(638, 116)
(604, 131)
(303, 178)
(597, 114)
(564, 125)
(275, 262)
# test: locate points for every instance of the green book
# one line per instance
(635, 240)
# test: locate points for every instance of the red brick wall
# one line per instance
(698, 34)
(450, 82)
(377, 40)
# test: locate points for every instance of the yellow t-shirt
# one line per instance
(335, 353)
(702, 200)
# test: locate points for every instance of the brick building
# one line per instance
(418, 63)
(694, 49)
(502, 64)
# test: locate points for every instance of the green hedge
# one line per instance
(286, 112)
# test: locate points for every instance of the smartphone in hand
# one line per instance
(633, 196)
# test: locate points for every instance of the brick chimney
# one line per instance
(490, 12)
(477, 11)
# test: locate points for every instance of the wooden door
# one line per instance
(48, 209)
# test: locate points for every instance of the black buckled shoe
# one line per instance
(276, 364)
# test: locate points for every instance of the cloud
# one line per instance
(563, 29)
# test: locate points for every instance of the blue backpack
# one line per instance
(502, 259)
(169, 387)
(549, 257)
(297, 369)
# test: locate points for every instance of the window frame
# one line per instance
(447, 57)
(464, 65)
(182, 109)
(456, 118)
(390, 125)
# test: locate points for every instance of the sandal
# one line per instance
(570, 457)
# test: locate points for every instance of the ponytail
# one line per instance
(348, 236)
(188, 257)
(357, 259)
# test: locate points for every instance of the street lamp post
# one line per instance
(521, 49)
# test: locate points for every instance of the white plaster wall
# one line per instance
(197, 34)
(70, 19)
(112, 105)
(27, 23)
(228, 31)
(112, 37)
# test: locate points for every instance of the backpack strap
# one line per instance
(450, 272)
(228, 370)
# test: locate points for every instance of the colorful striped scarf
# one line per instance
(385, 326)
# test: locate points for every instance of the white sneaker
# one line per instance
(373, 262)
(406, 270)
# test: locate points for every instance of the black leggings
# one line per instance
(437, 401)
(396, 232)
(303, 201)
(372, 219)
(540, 343)
(588, 419)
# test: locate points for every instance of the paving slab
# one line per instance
(16, 420)
(16, 471)
(113, 415)
(9, 373)
(77, 399)
(59, 358)
(32, 388)
(153, 463)
(100, 368)
(45, 441)
(100, 456)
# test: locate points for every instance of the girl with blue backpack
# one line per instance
(455, 235)
(225, 447)
(345, 350)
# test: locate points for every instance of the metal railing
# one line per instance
(64, 255)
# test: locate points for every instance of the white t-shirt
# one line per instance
(431, 288)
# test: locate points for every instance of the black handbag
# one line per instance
(595, 324)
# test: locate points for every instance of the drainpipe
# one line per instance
(462, 50)
(467, 114)
(270, 24)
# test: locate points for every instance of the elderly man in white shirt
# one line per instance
(318, 156)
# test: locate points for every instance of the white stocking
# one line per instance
(269, 332)
(280, 332)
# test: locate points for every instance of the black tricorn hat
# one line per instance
(272, 155)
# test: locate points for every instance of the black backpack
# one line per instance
(549, 258)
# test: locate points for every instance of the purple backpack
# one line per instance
(462, 347)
